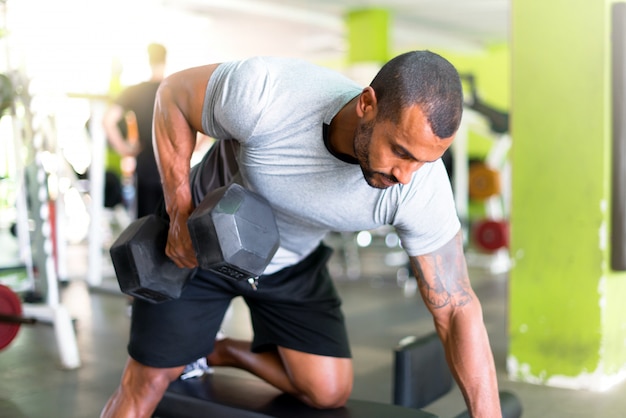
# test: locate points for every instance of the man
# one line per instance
(329, 156)
(135, 105)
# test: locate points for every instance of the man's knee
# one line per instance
(326, 393)
(140, 390)
(144, 379)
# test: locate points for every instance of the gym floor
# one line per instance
(379, 307)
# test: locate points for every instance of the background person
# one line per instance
(135, 106)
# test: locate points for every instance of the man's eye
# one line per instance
(400, 153)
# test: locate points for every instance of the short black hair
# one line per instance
(421, 78)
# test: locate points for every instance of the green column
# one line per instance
(566, 321)
(368, 35)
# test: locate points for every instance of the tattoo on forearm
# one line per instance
(442, 277)
(433, 289)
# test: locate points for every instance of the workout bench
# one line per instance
(420, 376)
(223, 396)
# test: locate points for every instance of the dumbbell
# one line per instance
(233, 232)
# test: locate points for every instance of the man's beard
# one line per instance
(362, 139)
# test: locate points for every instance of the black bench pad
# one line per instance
(236, 397)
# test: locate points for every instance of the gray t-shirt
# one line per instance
(276, 108)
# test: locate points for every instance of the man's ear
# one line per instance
(367, 104)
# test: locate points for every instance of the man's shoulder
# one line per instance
(264, 61)
(283, 67)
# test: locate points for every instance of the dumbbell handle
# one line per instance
(16, 319)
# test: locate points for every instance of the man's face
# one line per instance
(390, 153)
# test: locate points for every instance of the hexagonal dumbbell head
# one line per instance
(234, 232)
(141, 266)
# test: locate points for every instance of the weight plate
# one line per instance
(10, 304)
(491, 235)
(484, 182)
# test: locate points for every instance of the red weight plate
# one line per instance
(492, 235)
(9, 305)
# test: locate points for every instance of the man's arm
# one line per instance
(110, 120)
(177, 119)
(444, 284)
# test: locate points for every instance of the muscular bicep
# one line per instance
(177, 119)
(178, 115)
(442, 276)
(185, 89)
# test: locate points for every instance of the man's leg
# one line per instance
(319, 381)
(297, 307)
(166, 336)
(140, 390)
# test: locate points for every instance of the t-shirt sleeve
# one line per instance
(235, 99)
(427, 218)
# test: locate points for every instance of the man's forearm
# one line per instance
(471, 361)
(174, 142)
(445, 287)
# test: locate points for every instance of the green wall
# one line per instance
(368, 35)
(491, 69)
(567, 326)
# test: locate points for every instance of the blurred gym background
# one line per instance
(535, 198)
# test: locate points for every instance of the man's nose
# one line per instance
(404, 172)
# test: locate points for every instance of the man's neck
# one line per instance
(342, 129)
(158, 72)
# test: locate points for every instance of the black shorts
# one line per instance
(297, 308)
